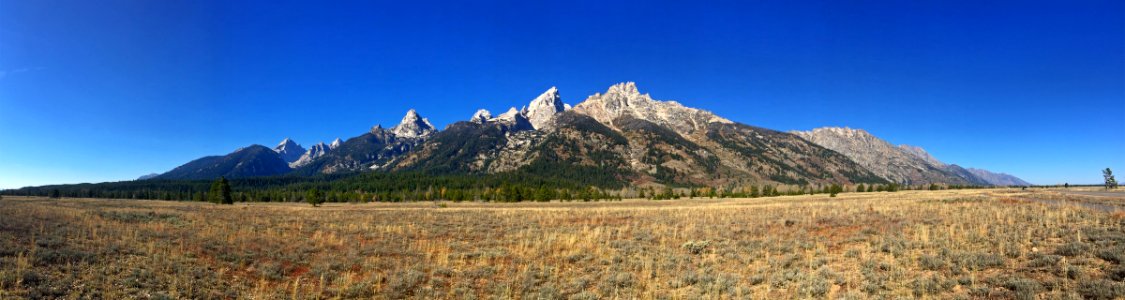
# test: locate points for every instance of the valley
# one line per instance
(981, 243)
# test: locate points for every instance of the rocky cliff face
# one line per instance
(620, 135)
(902, 163)
(542, 110)
(1000, 179)
(921, 154)
(314, 152)
(413, 126)
(624, 100)
(372, 150)
(879, 156)
(289, 150)
(637, 138)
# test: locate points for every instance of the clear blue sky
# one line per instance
(96, 91)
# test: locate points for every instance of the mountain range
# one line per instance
(622, 135)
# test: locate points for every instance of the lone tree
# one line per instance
(314, 196)
(835, 189)
(220, 192)
(1110, 182)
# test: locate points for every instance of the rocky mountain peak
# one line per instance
(481, 116)
(514, 120)
(624, 99)
(314, 152)
(335, 144)
(624, 88)
(542, 110)
(413, 126)
(287, 142)
(289, 150)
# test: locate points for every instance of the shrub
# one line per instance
(1039, 260)
(1114, 254)
(1101, 289)
(1023, 288)
(696, 247)
(1117, 273)
(931, 285)
(814, 286)
(932, 263)
(1072, 249)
(979, 261)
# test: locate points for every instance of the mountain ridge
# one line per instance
(642, 140)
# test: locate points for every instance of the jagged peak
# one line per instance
(481, 116)
(845, 131)
(624, 99)
(511, 114)
(286, 143)
(549, 98)
(514, 120)
(542, 110)
(314, 151)
(335, 143)
(413, 125)
(289, 150)
(624, 88)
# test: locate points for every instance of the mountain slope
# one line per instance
(879, 156)
(633, 138)
(314, 152)
(616, 137)
(1000, 179)
(289, 150)
(252, 161)
(373, 149)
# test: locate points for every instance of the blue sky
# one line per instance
(96, 91)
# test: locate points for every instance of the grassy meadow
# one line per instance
(967, 244)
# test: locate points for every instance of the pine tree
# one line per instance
(314, 196)
(220, 192)
(834, 189)
(860, 188)
(55, 193)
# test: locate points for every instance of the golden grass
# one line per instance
(911, 244)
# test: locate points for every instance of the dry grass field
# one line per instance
(913, 244)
